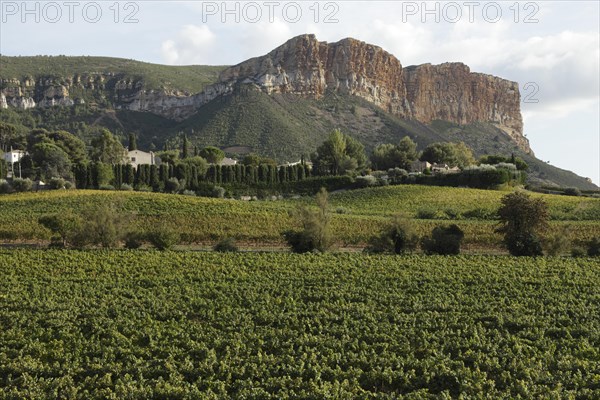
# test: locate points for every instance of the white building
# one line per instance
(13, 156)
(228, 161)
(138, 157)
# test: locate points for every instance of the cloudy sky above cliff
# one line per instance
(551, 48)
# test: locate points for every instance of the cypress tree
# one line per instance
(132, 142)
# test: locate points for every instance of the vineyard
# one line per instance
(186, 325)
(357, 214)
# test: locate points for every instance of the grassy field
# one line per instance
(357, 214)
(187, 325)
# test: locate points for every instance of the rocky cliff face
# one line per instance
(306, 67)
(450, 91)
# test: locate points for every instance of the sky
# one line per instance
(551, 48)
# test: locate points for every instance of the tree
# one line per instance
(339, 154)
(522, 220)
(185, 151)
(168, 156)
(387, 156)
(444, 240)
(70, 144)
(397, 238)
(132, 142)
(315, 234)
(453, 154)
(64, 226)
(212, 154)
(107, 148)
(256, 160)
(51, 161)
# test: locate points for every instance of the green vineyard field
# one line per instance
(357, 214)
(187, 325)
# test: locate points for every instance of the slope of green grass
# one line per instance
(190, 325)
(192, 78)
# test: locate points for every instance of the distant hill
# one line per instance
(282, 104)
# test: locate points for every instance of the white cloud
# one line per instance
(193, 45)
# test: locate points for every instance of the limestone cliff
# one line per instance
(306, 67)
(450, 91)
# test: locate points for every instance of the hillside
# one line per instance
(281, 105)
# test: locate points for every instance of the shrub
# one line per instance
(188, 193)
(64, 227)
(163, 239)
(397, 237)
(522, 219)
(593, 247)
(218, 192)
(126, 187)
(315, 234)
(427, 213)
(69, 185)
(106, 187)
(5, 187)
(172, 185)
(133, 240)
(56, 183)
(558, 243)
(366, 181)
(572, 192)
(578, 252)
(226, 245)
(22, 185)
(445, 240)
(143, 188)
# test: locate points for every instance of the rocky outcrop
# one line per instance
(450, 91)
(306, 67)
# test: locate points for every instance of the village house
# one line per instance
(13, 156)
(419, 166)
(444, 169)
(138, 157)
(228, 161)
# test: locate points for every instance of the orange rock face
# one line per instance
(450, 91)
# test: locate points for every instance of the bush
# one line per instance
(558, 243)
(578, 252)
(68, 185)
(143, 188)
(56, 183)
(163, 239)
(106, 187)
(366, 181)
(525, 244)
(522, 219)
(315, 234)
(397, 238)
(22, 185)
(218, 192)
(226, 245)
(572, 192)
(593, 247)
(444, 240)
(5, 187)
(134, 240)
(126, 187)
(427, 213)
(172, 185)
(189, 193)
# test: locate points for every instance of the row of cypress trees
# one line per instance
(97, 175)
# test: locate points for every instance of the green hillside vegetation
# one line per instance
(131, 324)
(191, 78)
(357, 214)
(284, 127)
